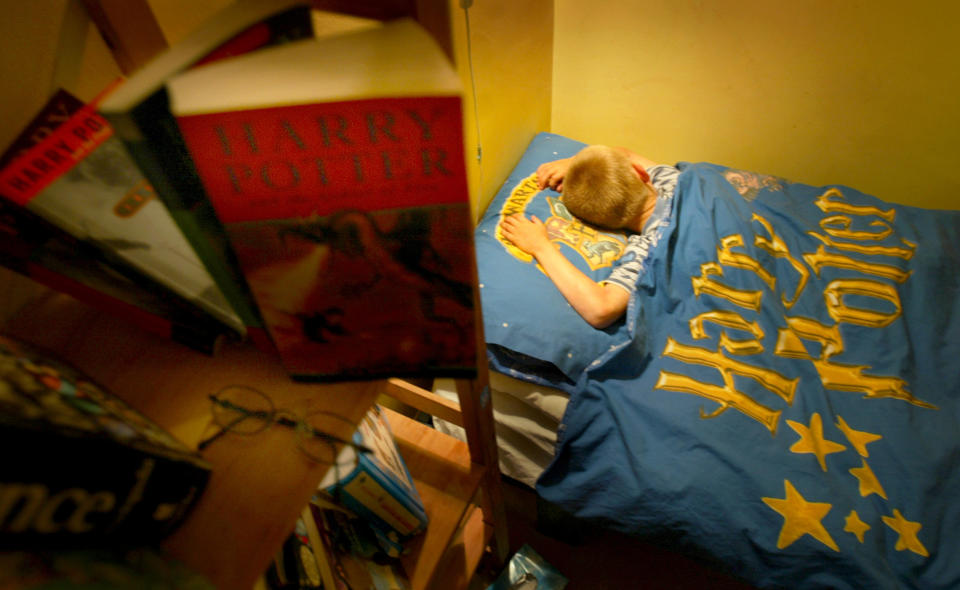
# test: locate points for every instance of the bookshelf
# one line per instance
(259, 485)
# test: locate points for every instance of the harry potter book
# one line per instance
(83, 469)
(43, 252)
(139, 112)
(81, 179)
(336, 167)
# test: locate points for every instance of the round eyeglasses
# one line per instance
(246, 411)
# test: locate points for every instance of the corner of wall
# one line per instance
(508, 90)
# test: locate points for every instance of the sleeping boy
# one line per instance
(611, 188)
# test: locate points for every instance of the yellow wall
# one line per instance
(512, 43)
(859, 93)
(45, 45)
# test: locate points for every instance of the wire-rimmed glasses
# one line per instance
(246, 411)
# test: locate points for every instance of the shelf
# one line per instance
(259, 484)
(448, 484)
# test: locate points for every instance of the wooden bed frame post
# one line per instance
(476, 408)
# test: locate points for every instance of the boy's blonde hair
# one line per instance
(601, 187)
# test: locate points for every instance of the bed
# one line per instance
(782, 396)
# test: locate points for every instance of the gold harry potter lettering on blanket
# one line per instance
(727, 257)
(729, 319)
(727, 395)
(862, 300)
(861, 291)
(705, 284)
(777, 248)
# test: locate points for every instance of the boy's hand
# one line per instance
(530, 235)
(551, 174)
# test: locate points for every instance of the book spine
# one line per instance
(311, 522)
(153, 140)
(150, 134)
(79, 492)
(81, 179)
(296, 565)
(378, 499)
(327, 530)
(37, 249)
(58, 110)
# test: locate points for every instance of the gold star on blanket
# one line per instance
(800, 518)
(858, 438)
(908, 533)
(855, 525)
(869, 484)
(812, 441)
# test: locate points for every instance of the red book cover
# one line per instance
(351, 223)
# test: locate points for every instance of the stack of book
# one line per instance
(257, 182)
(359, 522)
(330, 549)
(376, 485)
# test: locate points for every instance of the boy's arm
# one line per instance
(599, 304)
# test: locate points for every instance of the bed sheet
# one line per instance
(526, 418)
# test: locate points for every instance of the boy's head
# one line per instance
(603, 187)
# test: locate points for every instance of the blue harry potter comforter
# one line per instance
(783, 395)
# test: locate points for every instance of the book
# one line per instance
(81, 179)
(336, 168)
(32, 247)
(57, 110)
(139, 112)
(354, 558)
(310, 535)
(50, 257)
(334, 573)
(95, 473)
(298, 564)
(377, 486)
